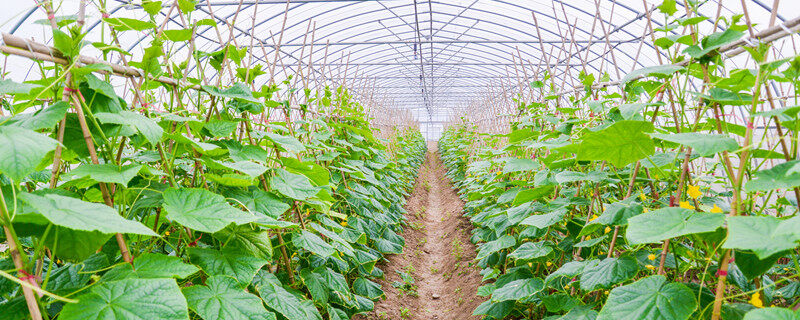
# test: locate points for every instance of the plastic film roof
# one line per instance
(433, 58)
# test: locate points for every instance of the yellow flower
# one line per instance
(548, 263)
(650, 267)
(530, 264)
(645, 210)
(588, 237)
(594, 216)
(716, 209)
(166, 234)
(607, 230)
(606, 292)
(694, 191)
(686, 205)
(643, 197)
(499, 173)
(755, 300)
(651, 257)
(344, 223)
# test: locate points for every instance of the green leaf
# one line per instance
(221, 128)
(762, 235)
(41, 119)
(532, 250)
(518, 289)
(542, 221)
(517, 165)
(280, 300)
(313, 243)
(151, 266)
(713, 42)
(202, 210)
(238, 91)
(223, 298)
(286, 143)
(671, 222)
(130, 299)
(178, 35)
(246, 239)
(504, 242)
(242, 267)
(125, 24)
(10, 87)
(249, 168)
(293, 185)
(773, 313)
(605, 273)
(618, 213)
(186, 6)
(660, 71)
(530, 194)
(21, 150)
(80, 215)
(369, 289)
(705, 144)
(668, 7)
(144, 125)
(649, 298)
(622, 143)
(63, 42)
(109, 173)
(573, 176)
(783, 176)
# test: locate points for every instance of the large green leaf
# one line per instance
(504, 242)
(532, 250)
(713, 42)
(280, 300)
(41, 119)
(661, 71)
(223, 298)
(773, 313)
(146, 126)
(124, 24)
(292, 185)
(618, 213)
(530, 194)
(783, 176)
(21, 150)
(543, 221)
(650, 298)
(109, 173)
(704, 144)
(247, 239)
(129, 299)
(518, 289)
(152, 265)
(671, 222)
(81, 215)
(622, 143)
(235, 264)
(517, 165)
(7, 86)
(313, 243)
(287, 143)
(605, 273)
(238, 91)
(202, 210)
(763, 235)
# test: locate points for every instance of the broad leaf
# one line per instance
(518, 289)
(504, 242)
(783, 176)
(517, 165)
(292, 185)
(130, 299)
(81, 215)
(242, 267)
(223, 298)
(107, 172)
(532, 250)
(202, 210)
(759, 234)
(146, 126)
(605, 273)
(773, 313)
(21, 150)
(649, 298)
(286, 142)
(622, 143)
(152, 265)
(671, 222)
(313, 243)
(661, 71)
(704, 144)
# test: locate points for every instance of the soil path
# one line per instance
(438, 255)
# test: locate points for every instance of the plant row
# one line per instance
(654, 202)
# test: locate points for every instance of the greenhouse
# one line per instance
(400, 159)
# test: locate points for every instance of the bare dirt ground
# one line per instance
(438, 255)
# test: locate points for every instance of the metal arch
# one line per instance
(441, 13)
